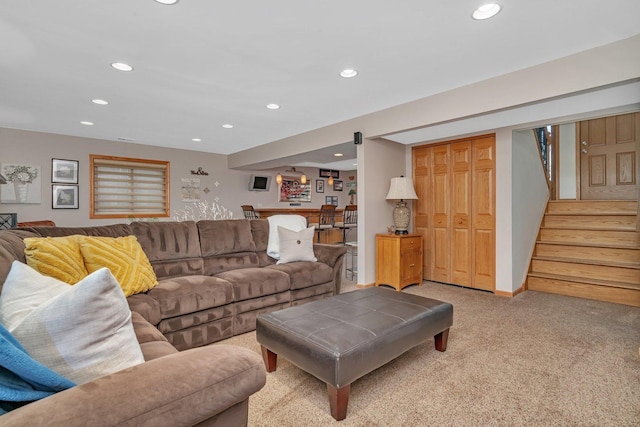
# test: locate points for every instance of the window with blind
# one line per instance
(124, 188)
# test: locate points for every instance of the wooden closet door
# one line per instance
(422, 206)
(441, 208)
(461, 213)
(455, 211)
(483, 212)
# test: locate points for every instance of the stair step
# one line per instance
(599, 222)
(594, 253)
(614, 292)
(593, 207)
(626, 274)
(626, 239)
(617, 263)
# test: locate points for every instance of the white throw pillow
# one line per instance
(82, 332)
(292, 222)
(296, 245)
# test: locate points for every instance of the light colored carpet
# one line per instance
(536, 359)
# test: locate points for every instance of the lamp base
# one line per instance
(401, 215)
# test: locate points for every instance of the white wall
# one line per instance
(530, 194)
(378, 160)
(567, 149)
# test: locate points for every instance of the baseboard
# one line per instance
(510, 294)
(359, 286)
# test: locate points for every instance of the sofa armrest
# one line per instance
(184, 389)
(328, 254)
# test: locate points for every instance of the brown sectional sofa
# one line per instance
(214, 279)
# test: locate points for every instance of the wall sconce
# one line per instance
(303, 177)
(401, 188)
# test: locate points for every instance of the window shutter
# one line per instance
(124, 187)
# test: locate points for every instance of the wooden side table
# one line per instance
(398, 260)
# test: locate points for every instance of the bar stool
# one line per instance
(326, 219)
(349, 221)
(249, 212)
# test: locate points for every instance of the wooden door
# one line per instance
(461, 213)
(483, 162)
(422, 206)
(609, 157)
(441, 207)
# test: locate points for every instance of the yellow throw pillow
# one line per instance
(124, 257)
(57, 257)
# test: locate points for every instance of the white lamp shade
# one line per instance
(401, 189)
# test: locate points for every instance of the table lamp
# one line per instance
(401, 188)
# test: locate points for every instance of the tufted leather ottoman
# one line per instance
(341, 338)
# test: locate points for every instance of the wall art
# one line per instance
(23, 183)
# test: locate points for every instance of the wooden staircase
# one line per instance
(588, 249)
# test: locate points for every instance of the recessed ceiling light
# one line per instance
(273, 106)
(121, 66)
(86, 123)
(486, 11)
(338, 155)
(348, 73)
(196, 139)
(167, 2)
(100, 101)
(227, 126)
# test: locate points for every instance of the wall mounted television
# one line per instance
(259, 183)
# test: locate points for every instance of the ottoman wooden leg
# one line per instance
(270, 359)
(338, 401)
(441, 340)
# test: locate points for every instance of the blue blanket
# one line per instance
(23, 379)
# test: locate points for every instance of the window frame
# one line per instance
(97, 160)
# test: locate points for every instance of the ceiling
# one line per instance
(200, 64)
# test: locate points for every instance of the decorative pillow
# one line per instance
(296, 245)
(22, 378)
(82, 332)
(58, 257)
(291, 222)
(124, 257)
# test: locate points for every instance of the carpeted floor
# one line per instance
(536, 359)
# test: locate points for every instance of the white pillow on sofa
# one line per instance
(291, 222)
(82, 332)
(296, 245)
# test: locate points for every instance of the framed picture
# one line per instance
(331, 200)
(64, 171)
(337, 185)
(319, 185)
(65, 197)
(326, 173)
(23, 183)
(292, 190)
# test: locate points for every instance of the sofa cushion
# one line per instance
(251, 283)
(296, 245)
(152, 343)
(190, 294)
(58, 257)
(221, 263)
(81, 332)
(146, 306)
(173, 248)
(12, 249)
(303, 274)
(124, 257)
(225, 237)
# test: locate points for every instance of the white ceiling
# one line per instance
(202, 63)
